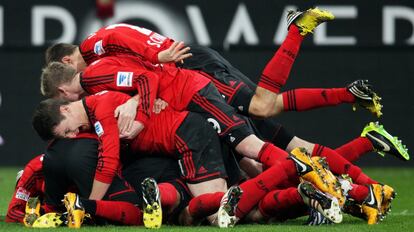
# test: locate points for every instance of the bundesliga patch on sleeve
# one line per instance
(99, 129)
(22, 194)
(124, 79)
(98, 49)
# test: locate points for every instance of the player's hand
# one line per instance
(175, 53)
(136, 128)
(159, 105)
(126, 115)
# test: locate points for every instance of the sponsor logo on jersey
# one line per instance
(98, 49)
(216, 125)
(22, 194)
(99, 129)
(124, 79)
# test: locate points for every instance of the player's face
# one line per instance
(67, 128)
(70, 126)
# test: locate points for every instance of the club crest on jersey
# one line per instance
(22, 194)
(124, 79)
(99, 129)
(98, 49)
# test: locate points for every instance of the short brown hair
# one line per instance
(47, 116)
(56, 52)
(54, 75)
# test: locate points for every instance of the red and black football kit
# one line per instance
(182, 89)
(182, 135)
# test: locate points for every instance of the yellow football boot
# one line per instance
(383, 142)
(371, 207)
(330, 179)
(365, 97)
(152, 204)
(388, 195)
(75, 210)
(307, 170)
(32, 211)
(307, 21)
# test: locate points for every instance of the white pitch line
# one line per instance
(405, 212)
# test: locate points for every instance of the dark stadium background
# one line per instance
(387, 60)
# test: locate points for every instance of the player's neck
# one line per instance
(80, 110)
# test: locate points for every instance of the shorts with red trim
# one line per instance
(235, 87)
(198, 150)
(230, 126)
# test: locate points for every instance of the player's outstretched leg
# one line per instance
(327, 206)
(383, 142)
(152, 203)
(226, 214)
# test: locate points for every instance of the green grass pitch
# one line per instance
(400, 219)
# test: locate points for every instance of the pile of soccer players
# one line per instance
(143, 132)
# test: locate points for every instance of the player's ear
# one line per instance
(64, 109)
(62, 92)
(66, 60)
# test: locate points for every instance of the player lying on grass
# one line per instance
(57, 118)
(31, 185)
(108, 99)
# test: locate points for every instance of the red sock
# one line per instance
(277, 71)
(255, 189)
(169, 195)
(358, 192)
(306, 99)
(278, 202)
(356, 148)
(269, 155)
(119, 211)
(205, 204)
(339, 165)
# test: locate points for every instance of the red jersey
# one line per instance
(158, 134)
(124, 39)
(123, 73)
(30, 184)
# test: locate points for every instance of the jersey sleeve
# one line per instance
(124, 39)
(113, 43)
(126, 75)
(108, 158)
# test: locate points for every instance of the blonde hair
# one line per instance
(54, 75)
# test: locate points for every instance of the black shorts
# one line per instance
(235, 87)
(198, 150)
(162, 169)
(208, 103)
(69, 164)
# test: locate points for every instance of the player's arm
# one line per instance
(145, 84)
(108, 160)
